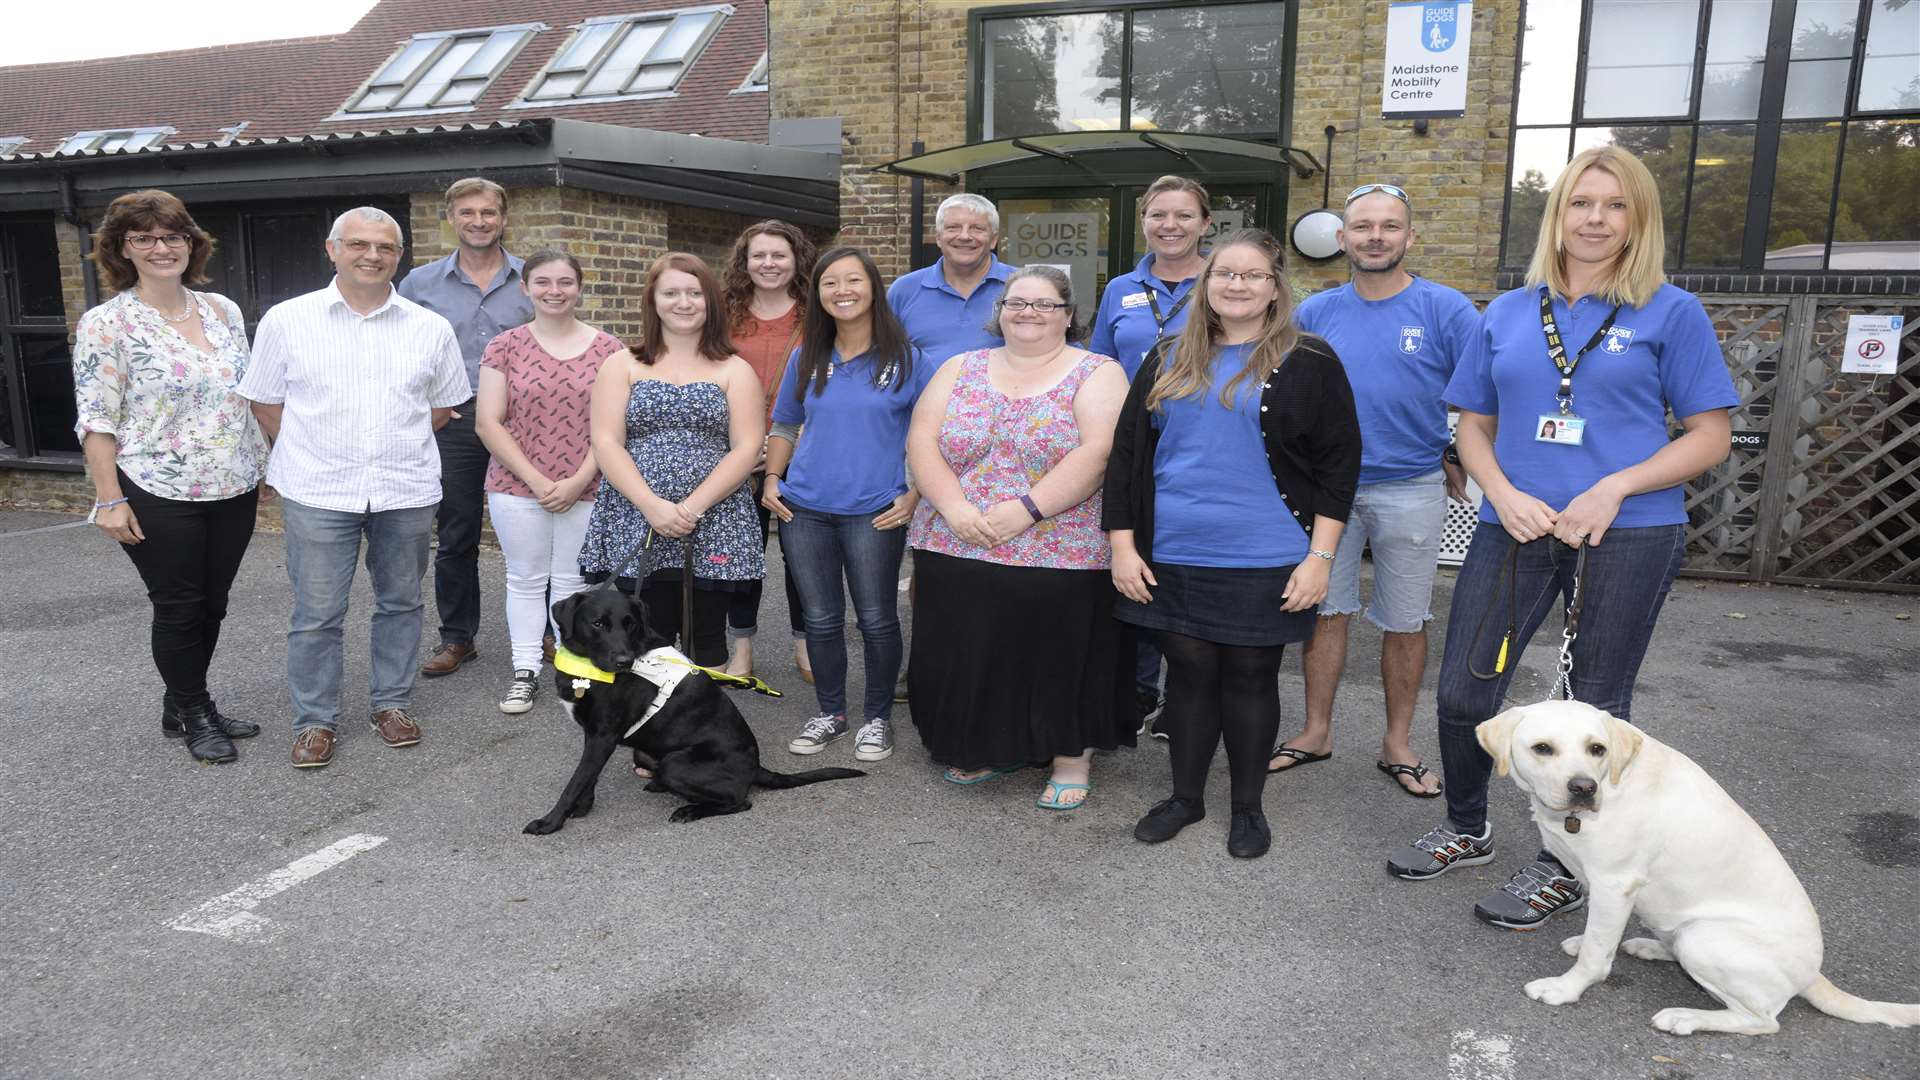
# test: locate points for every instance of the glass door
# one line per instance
(1072, 231)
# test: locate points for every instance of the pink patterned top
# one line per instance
(1000, 447)
(547, 405)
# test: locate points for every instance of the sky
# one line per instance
(41, 33)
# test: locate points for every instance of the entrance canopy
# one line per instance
(950, 164)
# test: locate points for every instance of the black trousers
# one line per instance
(743, 607)
(188, 561)
(456, 561)
(663, 598)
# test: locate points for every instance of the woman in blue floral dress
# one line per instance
(677, 424)
(175, 455)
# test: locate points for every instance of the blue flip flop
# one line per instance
(951, 776)
(1060, 789)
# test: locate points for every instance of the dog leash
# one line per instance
(1563, 669)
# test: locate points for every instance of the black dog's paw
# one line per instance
(654, 785)
(689, 812)
(581, 808)
(542, 826)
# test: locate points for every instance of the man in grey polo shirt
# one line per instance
(477, 289)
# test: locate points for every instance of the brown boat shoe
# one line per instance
(313, 748)
(447, 659)
(396, 727)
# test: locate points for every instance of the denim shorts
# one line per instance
(1403, 522)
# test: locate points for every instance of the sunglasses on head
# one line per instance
(1387, 189)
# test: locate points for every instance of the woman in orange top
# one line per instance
(767, 279)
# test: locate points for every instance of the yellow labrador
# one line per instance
(1651, 834)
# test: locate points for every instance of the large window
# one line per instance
(441, 70)
(627, 56)
(116, 139)
(1213, 68)
(1784, 134)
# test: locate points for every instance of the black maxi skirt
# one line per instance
(1014, 665)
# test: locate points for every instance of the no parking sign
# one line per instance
(1873, 344)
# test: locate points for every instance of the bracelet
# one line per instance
(1327, 555)
(1027, 501)
(109, 502)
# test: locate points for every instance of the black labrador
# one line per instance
(698, 746)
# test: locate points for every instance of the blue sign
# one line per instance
(1439, 25)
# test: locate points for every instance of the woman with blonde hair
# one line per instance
(173, 451)
(1563, 405)
(1232, 474)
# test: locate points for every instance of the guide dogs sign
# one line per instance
(1426, 69)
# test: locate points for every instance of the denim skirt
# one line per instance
(1224, 605)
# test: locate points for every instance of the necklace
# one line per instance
(175, 319)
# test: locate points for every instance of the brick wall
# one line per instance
(896, 70)
(706, 233)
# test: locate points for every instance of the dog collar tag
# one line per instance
(1573, 823)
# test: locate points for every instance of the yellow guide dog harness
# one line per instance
(665, 667)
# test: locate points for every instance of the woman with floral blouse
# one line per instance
(175, 455)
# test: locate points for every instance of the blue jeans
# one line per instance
(822, 550)
(1627, 578)
(323, 547)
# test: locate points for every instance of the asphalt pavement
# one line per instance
(386, 918)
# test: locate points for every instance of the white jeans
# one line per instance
(543, 552)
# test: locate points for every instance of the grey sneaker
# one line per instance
(520, 692)
(1440, 851)
(875, 741)
(1537, 893)
(817, 733)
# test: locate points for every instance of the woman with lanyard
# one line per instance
(1138, 311)
(1231, 478)
(837, 480)
(766, 286)
(1563, 423)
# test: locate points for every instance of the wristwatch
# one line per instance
(1451, 454)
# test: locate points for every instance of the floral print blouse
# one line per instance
(183, 431)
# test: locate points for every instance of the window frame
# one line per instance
(11, 144)
(978, 16)
(148, 136)
(1768, 124)
(447, 39)
(721, 13)
(757, 80)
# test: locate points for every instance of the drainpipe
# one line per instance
(70, 210)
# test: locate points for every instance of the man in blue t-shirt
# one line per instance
(1400, 337)
(946, 307)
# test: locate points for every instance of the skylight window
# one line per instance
(756, 79)
(8, 146)
(627, 55)
(448, 70)
(116, 139)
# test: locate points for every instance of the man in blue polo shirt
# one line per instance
(1400, 337)
(946, 307)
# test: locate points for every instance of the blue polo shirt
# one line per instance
(1214, 499)
(1125, 328)
(1658, 358)
(477, 313)
(1399, 354)
(851, 459)
(939, 320)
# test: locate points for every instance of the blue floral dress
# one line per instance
(676, 433)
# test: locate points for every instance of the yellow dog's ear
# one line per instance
(1496, 737)
(1623, 745)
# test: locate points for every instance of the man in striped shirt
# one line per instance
(350, 383)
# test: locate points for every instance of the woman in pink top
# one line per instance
(1016, 655)
(535, 384)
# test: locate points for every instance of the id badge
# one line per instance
(1562, 428)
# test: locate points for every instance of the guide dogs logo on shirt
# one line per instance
(1619, 338)
(1411, 337)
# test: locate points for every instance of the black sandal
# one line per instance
(1416, 771)
(1298, 756)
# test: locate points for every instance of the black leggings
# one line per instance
(188, 561)
(1216, 690)
(662, 597)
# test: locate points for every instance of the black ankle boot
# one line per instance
(1248, 837)
(205, 741)
(233, 729)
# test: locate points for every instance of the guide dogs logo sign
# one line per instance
(1410, 338)
(1425, 74)
(1438, 25)
(1619, 338)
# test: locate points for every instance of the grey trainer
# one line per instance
(1537, 893)
(817, 733)
(874, 742)
(1440, 851)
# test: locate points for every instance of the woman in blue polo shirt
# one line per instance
(1563, 423)
(841, 491)
(1138, 310)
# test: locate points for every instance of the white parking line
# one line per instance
(1474, 1056)
(231, 916)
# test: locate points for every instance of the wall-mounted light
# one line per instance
(1316, 234)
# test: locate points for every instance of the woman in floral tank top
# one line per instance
(1016, 656)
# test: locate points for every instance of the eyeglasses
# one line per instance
(1044, 307)
(361, 247)
(144, 241)
(1251, 277)
(1385, 189)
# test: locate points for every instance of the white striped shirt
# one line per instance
(359, 392)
